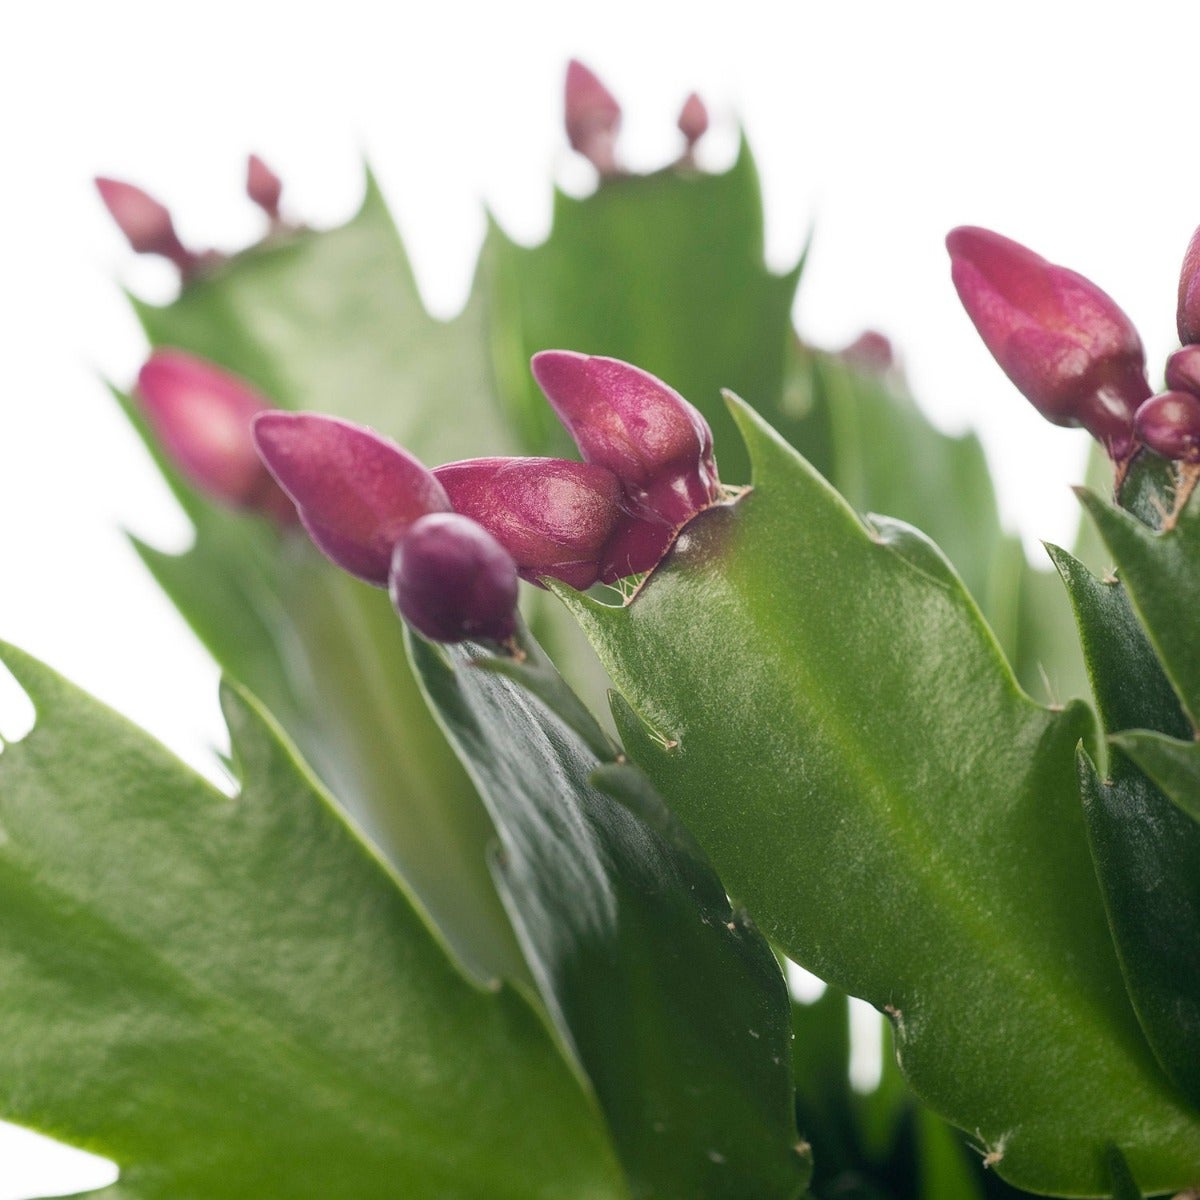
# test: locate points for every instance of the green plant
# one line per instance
(526, 976)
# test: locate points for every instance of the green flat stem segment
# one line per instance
(671, 1002)
(1145, 849)
(821, 703)
(234, 999)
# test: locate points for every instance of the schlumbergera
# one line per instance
(455, 936)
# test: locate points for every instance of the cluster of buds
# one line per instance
(1169, 423)
(1072, 351)
(593, 120)
(450, 543)
(150, 229)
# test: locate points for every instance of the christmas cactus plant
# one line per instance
(471, 927)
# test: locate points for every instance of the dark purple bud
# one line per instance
(201, 417)
(644, 432)
(451, 580)
(145, 222)
(1187, 315)
(592, 117)
(635, 546)
(1064, 343)
(693, 120)
(553, 515)
(1169, 424)
(1183, 370)
(357, 493)
(871, 352)
(263, 186)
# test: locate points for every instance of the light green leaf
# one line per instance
(821, 703)
(235, 1000)
(672, 1002)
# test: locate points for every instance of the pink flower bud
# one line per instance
(871, 352)
(1169, 424)
(644, 432)
(451, 580)
(1187, 315)
(145, 222)
(553, 515)
(1064, 343)
(1183, 370)
(357, 493)
(592, 117)
(693, 120)
(636, 545)
(201, 416)
(263, 186)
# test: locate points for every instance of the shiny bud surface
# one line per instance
(201, 416)
(1183, 370)
(1187, 314)
(1063, 342)
(357, 493)
(1169, 424)
(644, 432)
(451, 580)
(553, 515)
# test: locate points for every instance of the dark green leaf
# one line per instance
(821, 703)
(1161, 569)
(1173, 765)
(673, 1003)
(235, 1000)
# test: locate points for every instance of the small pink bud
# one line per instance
(871, 352)
(592, 117)
(263, 186)
(1169, 424)
(201, 416)
(357, 493)
(1187, 315)
(1064, 343)
(553, 515)
(693, 120)
(644, 432)
(1183, 370)
(451, 580)
(145, 222)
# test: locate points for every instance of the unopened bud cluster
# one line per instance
(450, 543)
(1072, 351)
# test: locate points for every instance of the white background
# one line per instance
(883, 123)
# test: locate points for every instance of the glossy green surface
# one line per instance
(820, 702)
(1161, 569)
(1173, 765)
(235, 1000)
(672, 1002)
(1146, 851)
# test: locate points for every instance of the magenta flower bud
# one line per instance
(1183, 370)
(553, 515)
(1169, 424)
(693, 120)
(451, 580)
(1187, 315)
(145, 222)
(636, 546)
(1064, 343)
(357, 493)
(201, 417)
(644, 432)
(592, 116)
(263, 186)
